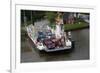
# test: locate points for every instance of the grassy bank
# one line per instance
(75, 26)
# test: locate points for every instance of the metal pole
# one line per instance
(31, 18)
(24, 19)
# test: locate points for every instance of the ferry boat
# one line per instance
(47, 41)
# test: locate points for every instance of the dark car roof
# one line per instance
(41, 34)
(48, 41)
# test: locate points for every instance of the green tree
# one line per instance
(51, 16)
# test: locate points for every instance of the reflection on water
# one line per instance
(81, 51)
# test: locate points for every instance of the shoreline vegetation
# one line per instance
(76, 26)
(72, 27)
(30, 17)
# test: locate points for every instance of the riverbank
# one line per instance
(76, 26)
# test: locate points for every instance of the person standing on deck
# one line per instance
(58, 28)
(59, 31)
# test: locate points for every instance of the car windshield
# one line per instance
(41, 35)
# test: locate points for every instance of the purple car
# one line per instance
(49, 44)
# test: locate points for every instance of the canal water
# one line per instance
(80, 52)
